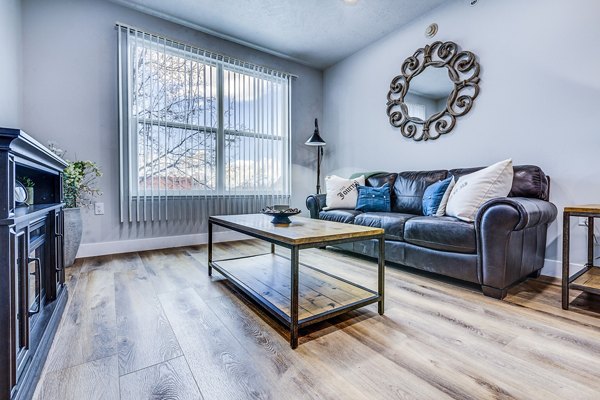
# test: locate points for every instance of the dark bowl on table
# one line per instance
(280, 214)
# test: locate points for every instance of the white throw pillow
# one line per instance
(441, 211)
(472, 190)
(342, 192)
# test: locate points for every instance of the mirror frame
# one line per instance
(463, 70)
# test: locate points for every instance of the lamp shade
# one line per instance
(315, 139)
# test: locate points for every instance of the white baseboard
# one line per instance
(155, 243)
(551, 267)
(554, 268)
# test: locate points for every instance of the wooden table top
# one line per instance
(300, 231)
(585, 208)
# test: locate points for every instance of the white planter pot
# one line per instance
(73, 232)
(29, 196)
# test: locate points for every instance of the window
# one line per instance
(195, 124)
(174, 120)
(255, 126)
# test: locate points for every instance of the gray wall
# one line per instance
(70, 97)
(10, 63)
(539, 101)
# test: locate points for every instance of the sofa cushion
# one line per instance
(528, 181)
(346, 216)
(381, 179)
(407, 196)
(392, 223)
(441, 233)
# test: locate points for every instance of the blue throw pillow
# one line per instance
(433, 196)
(374, 198)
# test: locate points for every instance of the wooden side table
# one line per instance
(588, 279)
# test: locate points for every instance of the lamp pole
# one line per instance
(319, 158)
(317, 141)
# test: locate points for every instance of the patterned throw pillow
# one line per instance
(433, 196)
(342, 192)
(374, 199)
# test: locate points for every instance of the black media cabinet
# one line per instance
(32, 277)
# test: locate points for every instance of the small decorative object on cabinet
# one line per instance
(32, 291)
(29, 184)
(21, 194)
(588, 279)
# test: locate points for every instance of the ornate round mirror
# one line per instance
(437, 84)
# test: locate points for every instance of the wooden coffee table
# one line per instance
(297, 294)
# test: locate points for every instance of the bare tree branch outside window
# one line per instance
(175, 111)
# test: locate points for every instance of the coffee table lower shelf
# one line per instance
(266, 278)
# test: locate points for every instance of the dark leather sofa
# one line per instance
(504, 245)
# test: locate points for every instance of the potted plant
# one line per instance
(29, 184)
(79, 187)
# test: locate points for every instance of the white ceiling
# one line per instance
(314, 32)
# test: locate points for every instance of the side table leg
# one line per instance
(590, 233)
(565, 260)
(381, 274)
(210, 247)
(294, 299)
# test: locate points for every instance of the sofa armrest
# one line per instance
(315, 203)
(531, 212)
(511, 241)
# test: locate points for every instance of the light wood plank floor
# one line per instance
(153, 325)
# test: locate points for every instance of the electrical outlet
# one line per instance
(583, 221)
(99, 208)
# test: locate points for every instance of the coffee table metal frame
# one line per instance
(292, 321)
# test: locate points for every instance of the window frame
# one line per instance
(220, 175)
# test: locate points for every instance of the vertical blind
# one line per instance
(199, 133)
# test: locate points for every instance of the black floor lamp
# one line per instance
(317, 141)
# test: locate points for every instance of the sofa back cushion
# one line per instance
(528, 181)
(409, 187)
(381, 179)
(406, 195)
